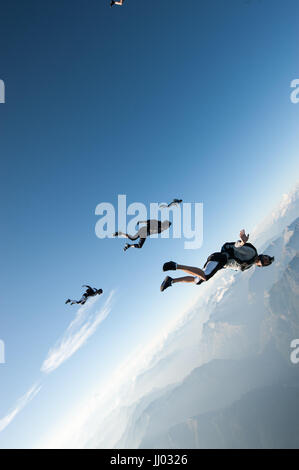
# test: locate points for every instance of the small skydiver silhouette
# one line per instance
(90, 292)
(152, 226)
(116, 2)
(174, 202)
(238, 255)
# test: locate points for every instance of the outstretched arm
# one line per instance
(243, 238)
(88, 287)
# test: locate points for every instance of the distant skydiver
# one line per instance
(151, 227)
(90, 292)
(239, 256)
(116, 2)
(174, 202)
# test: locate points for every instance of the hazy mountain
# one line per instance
(210, 387)
(263, 418)
(252, 319)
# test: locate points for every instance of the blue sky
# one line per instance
(154, 100)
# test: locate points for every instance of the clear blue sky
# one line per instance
(155, 100)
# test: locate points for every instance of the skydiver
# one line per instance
(90, 292)
(116, 2)
(174, 202)
(239, 256)
(152, 227)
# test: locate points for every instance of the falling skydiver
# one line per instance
(151, 227)
(238, 255)
(90, 292)
(116, 2)
(174, 202)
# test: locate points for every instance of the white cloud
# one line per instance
(21, 403)
(80, 329)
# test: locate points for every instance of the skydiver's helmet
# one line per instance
(266, 260)
(99, 291)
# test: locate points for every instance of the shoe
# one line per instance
(126, 246)
(112, 3)
(67, 301)
(170, 266)
(166, 283)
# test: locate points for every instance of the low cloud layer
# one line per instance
(84, 325)
(21, 403)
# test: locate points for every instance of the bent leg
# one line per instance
(184, 279)
(135, 245)
(192, 270)
(126, 235)
(214, 263)
(81, 301)
(140, 243)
